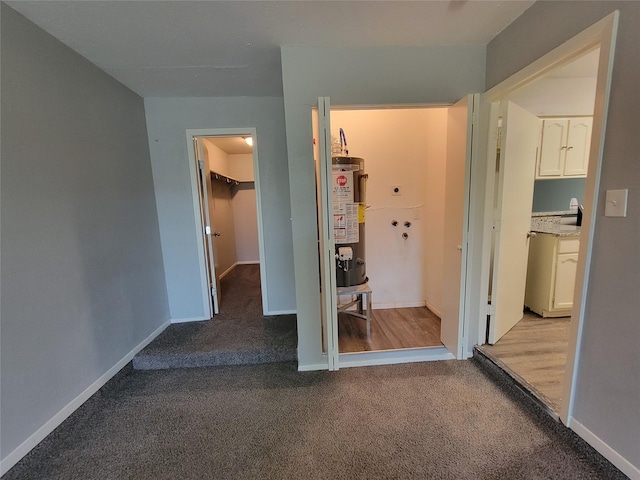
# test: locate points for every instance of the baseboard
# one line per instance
(313, 368)
(605, 450)
(433, 309)
(25, 447)
(228, 270)
(376, 306)
(392, 357)
(185, 320)
(280, 312)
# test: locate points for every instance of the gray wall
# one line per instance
(608, 383)
(555, 195)
(353, 76)
(82, 275)
(167, 122)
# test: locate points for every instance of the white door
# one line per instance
(207, 228)
(326, 244)
(518, 150)
(578, 143)
(458, 174)
(552, 154)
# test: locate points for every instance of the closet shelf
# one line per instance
(226, 179)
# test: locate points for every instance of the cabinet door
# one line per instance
(553, 147)
(578, 143)
(565, 280)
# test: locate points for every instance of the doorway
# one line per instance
(599, 36)
(407, 228)
(531, 341)
(404, 152)
(227, 189)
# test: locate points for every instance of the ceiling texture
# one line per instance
(232, 48)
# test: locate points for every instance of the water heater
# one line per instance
(349, 187)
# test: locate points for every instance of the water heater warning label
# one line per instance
(345, 223)
(342, 187)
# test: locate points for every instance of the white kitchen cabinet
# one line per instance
(551, 274)
(564, 147)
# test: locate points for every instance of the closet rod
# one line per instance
(226, 179)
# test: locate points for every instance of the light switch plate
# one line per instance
(616, 203)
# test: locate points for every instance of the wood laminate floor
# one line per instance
(535, 353)
(391, 329)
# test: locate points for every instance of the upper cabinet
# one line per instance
(564, 147)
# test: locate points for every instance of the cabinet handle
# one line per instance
(531, 234)
(569, 148)
(563, 147)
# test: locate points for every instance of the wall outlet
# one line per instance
(396, 190)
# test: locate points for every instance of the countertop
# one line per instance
(551, 224)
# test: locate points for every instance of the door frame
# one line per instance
(193, 174)
(326, 240)
(470, 266)
(601, 34)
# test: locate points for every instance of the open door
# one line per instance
(207, 227)
(326, 242)
(460, 126)
(512, 219)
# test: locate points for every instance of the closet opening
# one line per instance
(229, 212)
(388, 187)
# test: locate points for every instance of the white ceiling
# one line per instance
(567, 90)
(231, 145)
(583, 67)
(232, 48)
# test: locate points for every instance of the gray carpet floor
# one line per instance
(436, 420)
(240, 334)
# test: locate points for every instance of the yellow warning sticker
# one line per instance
(361, 209)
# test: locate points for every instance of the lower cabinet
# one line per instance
(551, 274)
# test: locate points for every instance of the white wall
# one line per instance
(236, 216)
(404, 147)
(222, 221)
(353, 76)
(245, 218)
(82, 275)
(608, 373)
(241, 167)
(167, 121)
(220, 208)
(244, 208)
(218, 159)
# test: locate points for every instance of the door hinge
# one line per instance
(213, 291)
(201, 164)
(491, 309)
